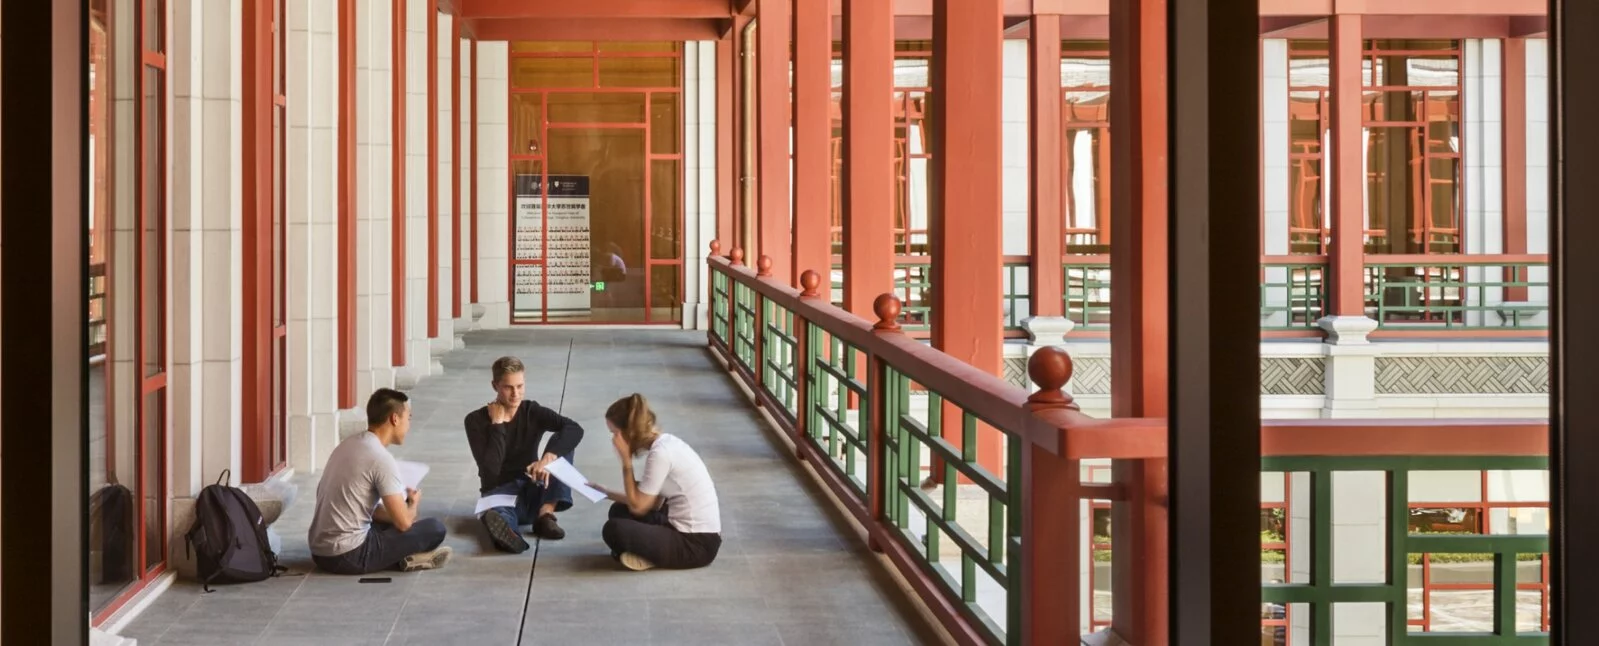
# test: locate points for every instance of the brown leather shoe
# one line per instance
(546, 528)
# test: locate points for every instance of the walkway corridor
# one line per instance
(790, 572)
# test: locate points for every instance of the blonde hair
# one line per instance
(633, 417)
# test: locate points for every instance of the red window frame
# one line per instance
(150, 303)
(1076, 117)
(1421, 229)
(1302, 215)
(595, 54)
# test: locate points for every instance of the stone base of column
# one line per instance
(407, 377)
(496, 316)
(1347, 330)
(458, 343)
(351, 421)
(1048, 330)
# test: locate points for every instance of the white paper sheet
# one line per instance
(489, 502)
(412, 473)
(569, 474)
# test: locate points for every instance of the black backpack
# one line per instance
(229, 537)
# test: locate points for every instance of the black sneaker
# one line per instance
(546, 528)
(504, 535)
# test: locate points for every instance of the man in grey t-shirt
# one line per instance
(365, 519)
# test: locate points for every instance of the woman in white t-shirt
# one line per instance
(667, 517)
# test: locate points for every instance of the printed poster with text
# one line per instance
(558, 223)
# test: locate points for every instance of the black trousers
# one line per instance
(653, 538)
(385, 548)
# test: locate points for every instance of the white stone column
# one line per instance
(418, 353)
(494, 188)
(1482, 134)
(312, 211)
(222, 201)
(1016, 203)
(469, 310)
(699, 177)
(1275, 176)
(1538, 167)
(446, 338)
(373, 233)
(186, 379)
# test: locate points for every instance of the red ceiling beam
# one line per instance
(595, 9)
(599, 29)
(1406, 8)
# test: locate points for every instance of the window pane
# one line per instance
(638, 47)
(563, 46)
(665, 124)
(154, 459)
(527, 122)
(155, 14)
(666, 202)
(584, 107)
(542, 73)
(666, 298)
(153, 257)
(639, 72)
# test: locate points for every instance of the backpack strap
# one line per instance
(226, 476)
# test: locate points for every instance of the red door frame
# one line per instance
(541, 158)
(151, 156)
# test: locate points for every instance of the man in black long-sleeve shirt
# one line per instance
(505, 436)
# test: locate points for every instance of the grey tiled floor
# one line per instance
(790, 570)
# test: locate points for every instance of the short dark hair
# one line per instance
(505, 366)
(384, 403)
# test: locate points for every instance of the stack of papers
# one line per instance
(561, 470)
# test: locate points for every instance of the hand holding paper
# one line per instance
(565, 472)
(412, 473)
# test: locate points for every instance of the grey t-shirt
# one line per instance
(358, 475)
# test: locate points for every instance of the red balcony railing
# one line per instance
(989, 501)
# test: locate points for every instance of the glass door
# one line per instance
(596, 200)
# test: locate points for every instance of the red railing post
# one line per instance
(764, 270)
(710, 292)
(736, 259)
(1052, 548)
(887, 307)
(809, 281)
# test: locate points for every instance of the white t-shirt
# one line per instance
(673, 471)
(359, 473)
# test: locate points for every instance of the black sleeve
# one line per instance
(488, 446)
(567, 433)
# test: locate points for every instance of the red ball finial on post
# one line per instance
(1051, 369)
(738, 256)
(764, 266)
(809, 281)
(887, 307)
(716, 247)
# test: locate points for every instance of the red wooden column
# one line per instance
(771, 82)
(256, 409)
(1047, 205)
(1515, 162)
(813, 132)
(433, 166)
(455, 168)
(966, 200)
(1349, 218)
(1139, 347)
(397, 189)
(726, 125)
(868, 153)
(347, 216)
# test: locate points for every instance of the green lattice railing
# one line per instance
(1319, 595)
(1457, 292)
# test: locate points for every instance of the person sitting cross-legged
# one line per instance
(505, 436)
(669, 516)
(365, 519)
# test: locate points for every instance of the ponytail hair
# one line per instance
(632, 416)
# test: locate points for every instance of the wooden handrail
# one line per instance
(1486, 259)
